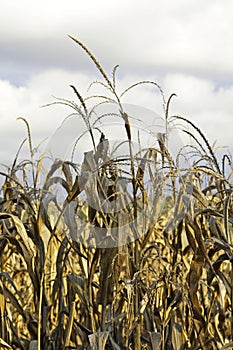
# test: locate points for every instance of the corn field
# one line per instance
(137, 255)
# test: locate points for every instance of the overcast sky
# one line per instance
(186, 46)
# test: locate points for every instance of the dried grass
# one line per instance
(171, 288)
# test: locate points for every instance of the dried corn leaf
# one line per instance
(227, 346)
(106, 281)
(6, 276)
(21, 231)
(2, 301)
(8, 294)
(194, 277)
(102, 149)
(176, 335)
(98, 340)
(113, 343)
(67, 172)
(190, 234)
(156, 340)
(77, 284)
(172, 307)
(4, 345)
(33, 345)
(20, 246)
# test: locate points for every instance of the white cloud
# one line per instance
(191, 37)
(186, 47)
(27, 102)
(209, 107)
(197, 99)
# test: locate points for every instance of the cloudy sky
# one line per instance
(186, 46)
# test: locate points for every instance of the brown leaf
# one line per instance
(98, 340)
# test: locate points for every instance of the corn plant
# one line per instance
(137, 254)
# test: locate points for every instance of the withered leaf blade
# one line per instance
(4, 345)
(98, 340)
(156, 339)
(21, 231)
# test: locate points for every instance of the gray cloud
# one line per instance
(191, 37)
(186, 47)
(197, 99)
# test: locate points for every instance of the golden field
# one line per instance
(138, 254)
